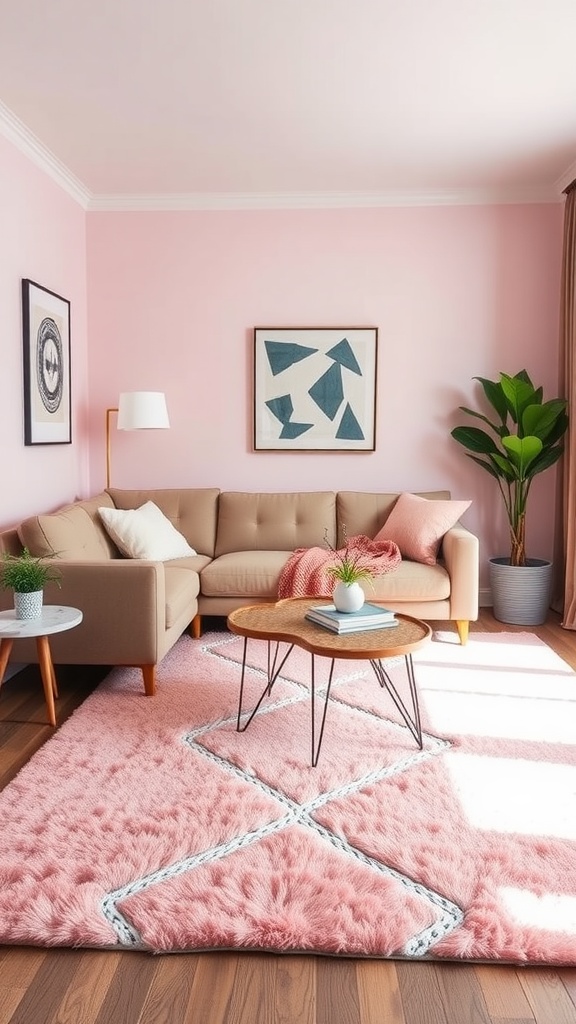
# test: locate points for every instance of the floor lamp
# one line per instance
(137, 410)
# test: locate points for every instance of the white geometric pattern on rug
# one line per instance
(448, 915)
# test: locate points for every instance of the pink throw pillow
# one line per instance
(417, 525)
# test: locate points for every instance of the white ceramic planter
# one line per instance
(521, 594)
(28, 606)
(348, 597)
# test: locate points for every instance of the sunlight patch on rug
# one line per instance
(539, 796)
(152, 823)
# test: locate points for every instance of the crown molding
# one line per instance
(567, 178)
(320, 200)
(16, 132)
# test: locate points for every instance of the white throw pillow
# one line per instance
(145, 532)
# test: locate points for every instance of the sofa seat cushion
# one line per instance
(182, 588)
(412, 581)
(244, 574)
(256, 574)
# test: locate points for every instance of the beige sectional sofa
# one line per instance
(134, 610)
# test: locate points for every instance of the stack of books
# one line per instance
(370, 616)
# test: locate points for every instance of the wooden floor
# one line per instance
(83, 987)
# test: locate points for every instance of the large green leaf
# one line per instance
(547, 458)
(488, 466)
(495, 396)
(475, 440)
(522, 451)
(538, 392)
(523, 375)
(540, 420)
(518, 393)
(505, 467)
(558, 430)
(499, 428)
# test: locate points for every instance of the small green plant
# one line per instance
(526, 439)
(349, 564)
(26, 574)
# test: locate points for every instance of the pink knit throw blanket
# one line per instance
(305, 575)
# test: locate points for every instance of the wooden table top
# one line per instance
(285, 621)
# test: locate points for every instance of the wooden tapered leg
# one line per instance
(463, 626)
(196, 627)
(47, 673)
(5, 649)
(149, 675)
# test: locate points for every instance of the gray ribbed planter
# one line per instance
(521, 594)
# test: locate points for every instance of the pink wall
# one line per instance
(171, 302)
(455, 291)
(42, 237)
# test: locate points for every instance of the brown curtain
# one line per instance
(565, 557)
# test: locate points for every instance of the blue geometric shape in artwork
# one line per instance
(349, 429)
(282, 408)
(328, 392)
(282, 355)
(342, 353)
(291, 430)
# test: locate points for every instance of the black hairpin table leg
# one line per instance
(273, 671)
(316, 745)
(411, 720)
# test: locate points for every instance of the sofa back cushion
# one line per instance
(274, 522)
(74, 532)
(191, 510)
(365, 512)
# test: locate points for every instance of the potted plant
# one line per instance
(348, 569)
(27, 576)
(525, 439)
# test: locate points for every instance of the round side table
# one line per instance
(55, 618)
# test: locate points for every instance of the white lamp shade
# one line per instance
(142, 410)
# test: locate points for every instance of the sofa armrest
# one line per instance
(460, 553)
(123, 604)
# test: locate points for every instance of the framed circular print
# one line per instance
(46, 335)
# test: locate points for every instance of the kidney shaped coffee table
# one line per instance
(284, 622)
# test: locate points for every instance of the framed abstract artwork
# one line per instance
(46, 336)
(315, 389)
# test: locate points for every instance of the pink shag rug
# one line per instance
(153, 824)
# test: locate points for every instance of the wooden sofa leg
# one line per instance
(463, 626)
(149, 674)
(196, 627)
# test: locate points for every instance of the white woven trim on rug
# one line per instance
(449, 915)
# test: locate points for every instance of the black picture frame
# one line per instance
(46, 350)
(315, 389)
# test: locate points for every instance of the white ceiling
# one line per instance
(278, 102)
